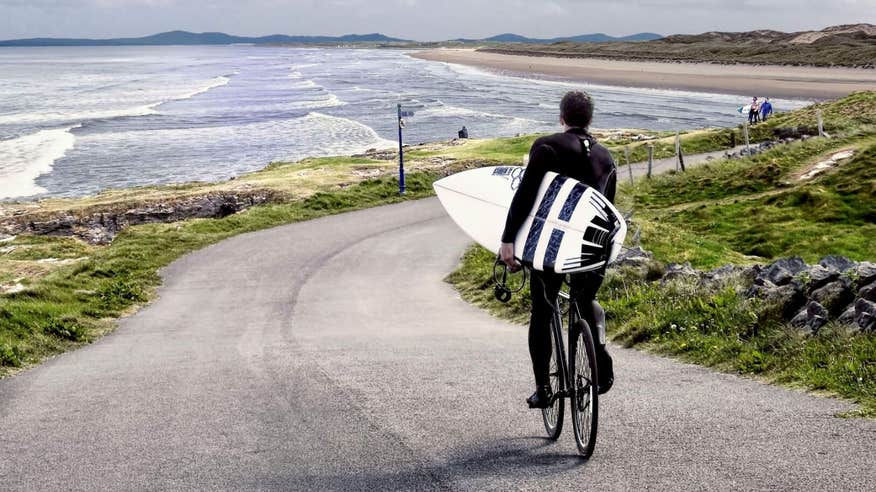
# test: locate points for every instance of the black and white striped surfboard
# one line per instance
(571, 228)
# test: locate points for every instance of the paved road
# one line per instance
(330, 355)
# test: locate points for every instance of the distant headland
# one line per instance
(217, 38)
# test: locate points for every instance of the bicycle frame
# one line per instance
(557, 332)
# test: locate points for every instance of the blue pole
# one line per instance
(401, 156)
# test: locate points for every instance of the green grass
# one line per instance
(752, 210)
(757, 210)
(78, 303)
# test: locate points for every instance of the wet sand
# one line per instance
(748, 80)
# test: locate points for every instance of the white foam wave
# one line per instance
(101, 114)
(331, 101)
(307, 84)
(344, 136)
(24, 159)
(448, 111)
(214, 83)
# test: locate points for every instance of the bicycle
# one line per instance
(575, 378)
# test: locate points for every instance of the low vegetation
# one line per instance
(741, 212)
(849, 46)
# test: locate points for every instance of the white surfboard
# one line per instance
(572, 227)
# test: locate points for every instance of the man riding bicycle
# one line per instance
(573, 153)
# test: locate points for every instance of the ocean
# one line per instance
(78, 120)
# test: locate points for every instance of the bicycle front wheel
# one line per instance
(583, 387)
(553, 415)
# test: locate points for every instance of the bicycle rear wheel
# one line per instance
(583, 387)
(553, 415)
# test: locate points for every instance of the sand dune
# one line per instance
(774, 81)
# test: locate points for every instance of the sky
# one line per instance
(422, 20)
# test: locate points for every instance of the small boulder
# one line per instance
(786, 299)
(820, 276)
(865, 272)
(865, 314)
(812, 318)
(868, 292)
(782, 271)
(750, 274)
(676, 271)
(848, 317)
(722, 274)
(837, 263)
(834, 296)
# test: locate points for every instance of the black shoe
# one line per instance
(541, 398)
(605, 368)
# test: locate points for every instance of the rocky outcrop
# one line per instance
(807, 296)
(811, 295)
(99, 225)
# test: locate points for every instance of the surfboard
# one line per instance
(744, 109)
(572, 227)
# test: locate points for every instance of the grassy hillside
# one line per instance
(850, 46)
(741, 212)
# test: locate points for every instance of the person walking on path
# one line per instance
(753, 111)
(766, 109)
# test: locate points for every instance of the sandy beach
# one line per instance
(772, 81)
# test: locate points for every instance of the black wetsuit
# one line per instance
(565, 154)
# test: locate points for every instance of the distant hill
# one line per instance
(208, 38)
(584, 38)
(849, 45)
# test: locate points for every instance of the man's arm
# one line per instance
(524, 199)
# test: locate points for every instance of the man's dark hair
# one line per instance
(576, 109)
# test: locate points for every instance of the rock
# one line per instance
(676, 271)
(868, 292)
(787, 299)
(102, 224)
(722, 274)
(865, 272)
(820, 276)
(837, 263)
(783, 271)
(865, 314)
(636, 254)
(848, 317)
(749, 274)
(812, 318)
(834, 296)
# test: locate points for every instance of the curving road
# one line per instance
(330, 355)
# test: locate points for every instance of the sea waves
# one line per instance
(29, 157)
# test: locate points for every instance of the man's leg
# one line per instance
(544, 288)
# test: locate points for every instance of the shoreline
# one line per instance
(775, 81)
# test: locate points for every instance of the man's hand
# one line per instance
(506, 254)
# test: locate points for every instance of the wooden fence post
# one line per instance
(677, 149)
(820, 123)
(629, 164)
(745, 133)
(650, 158)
